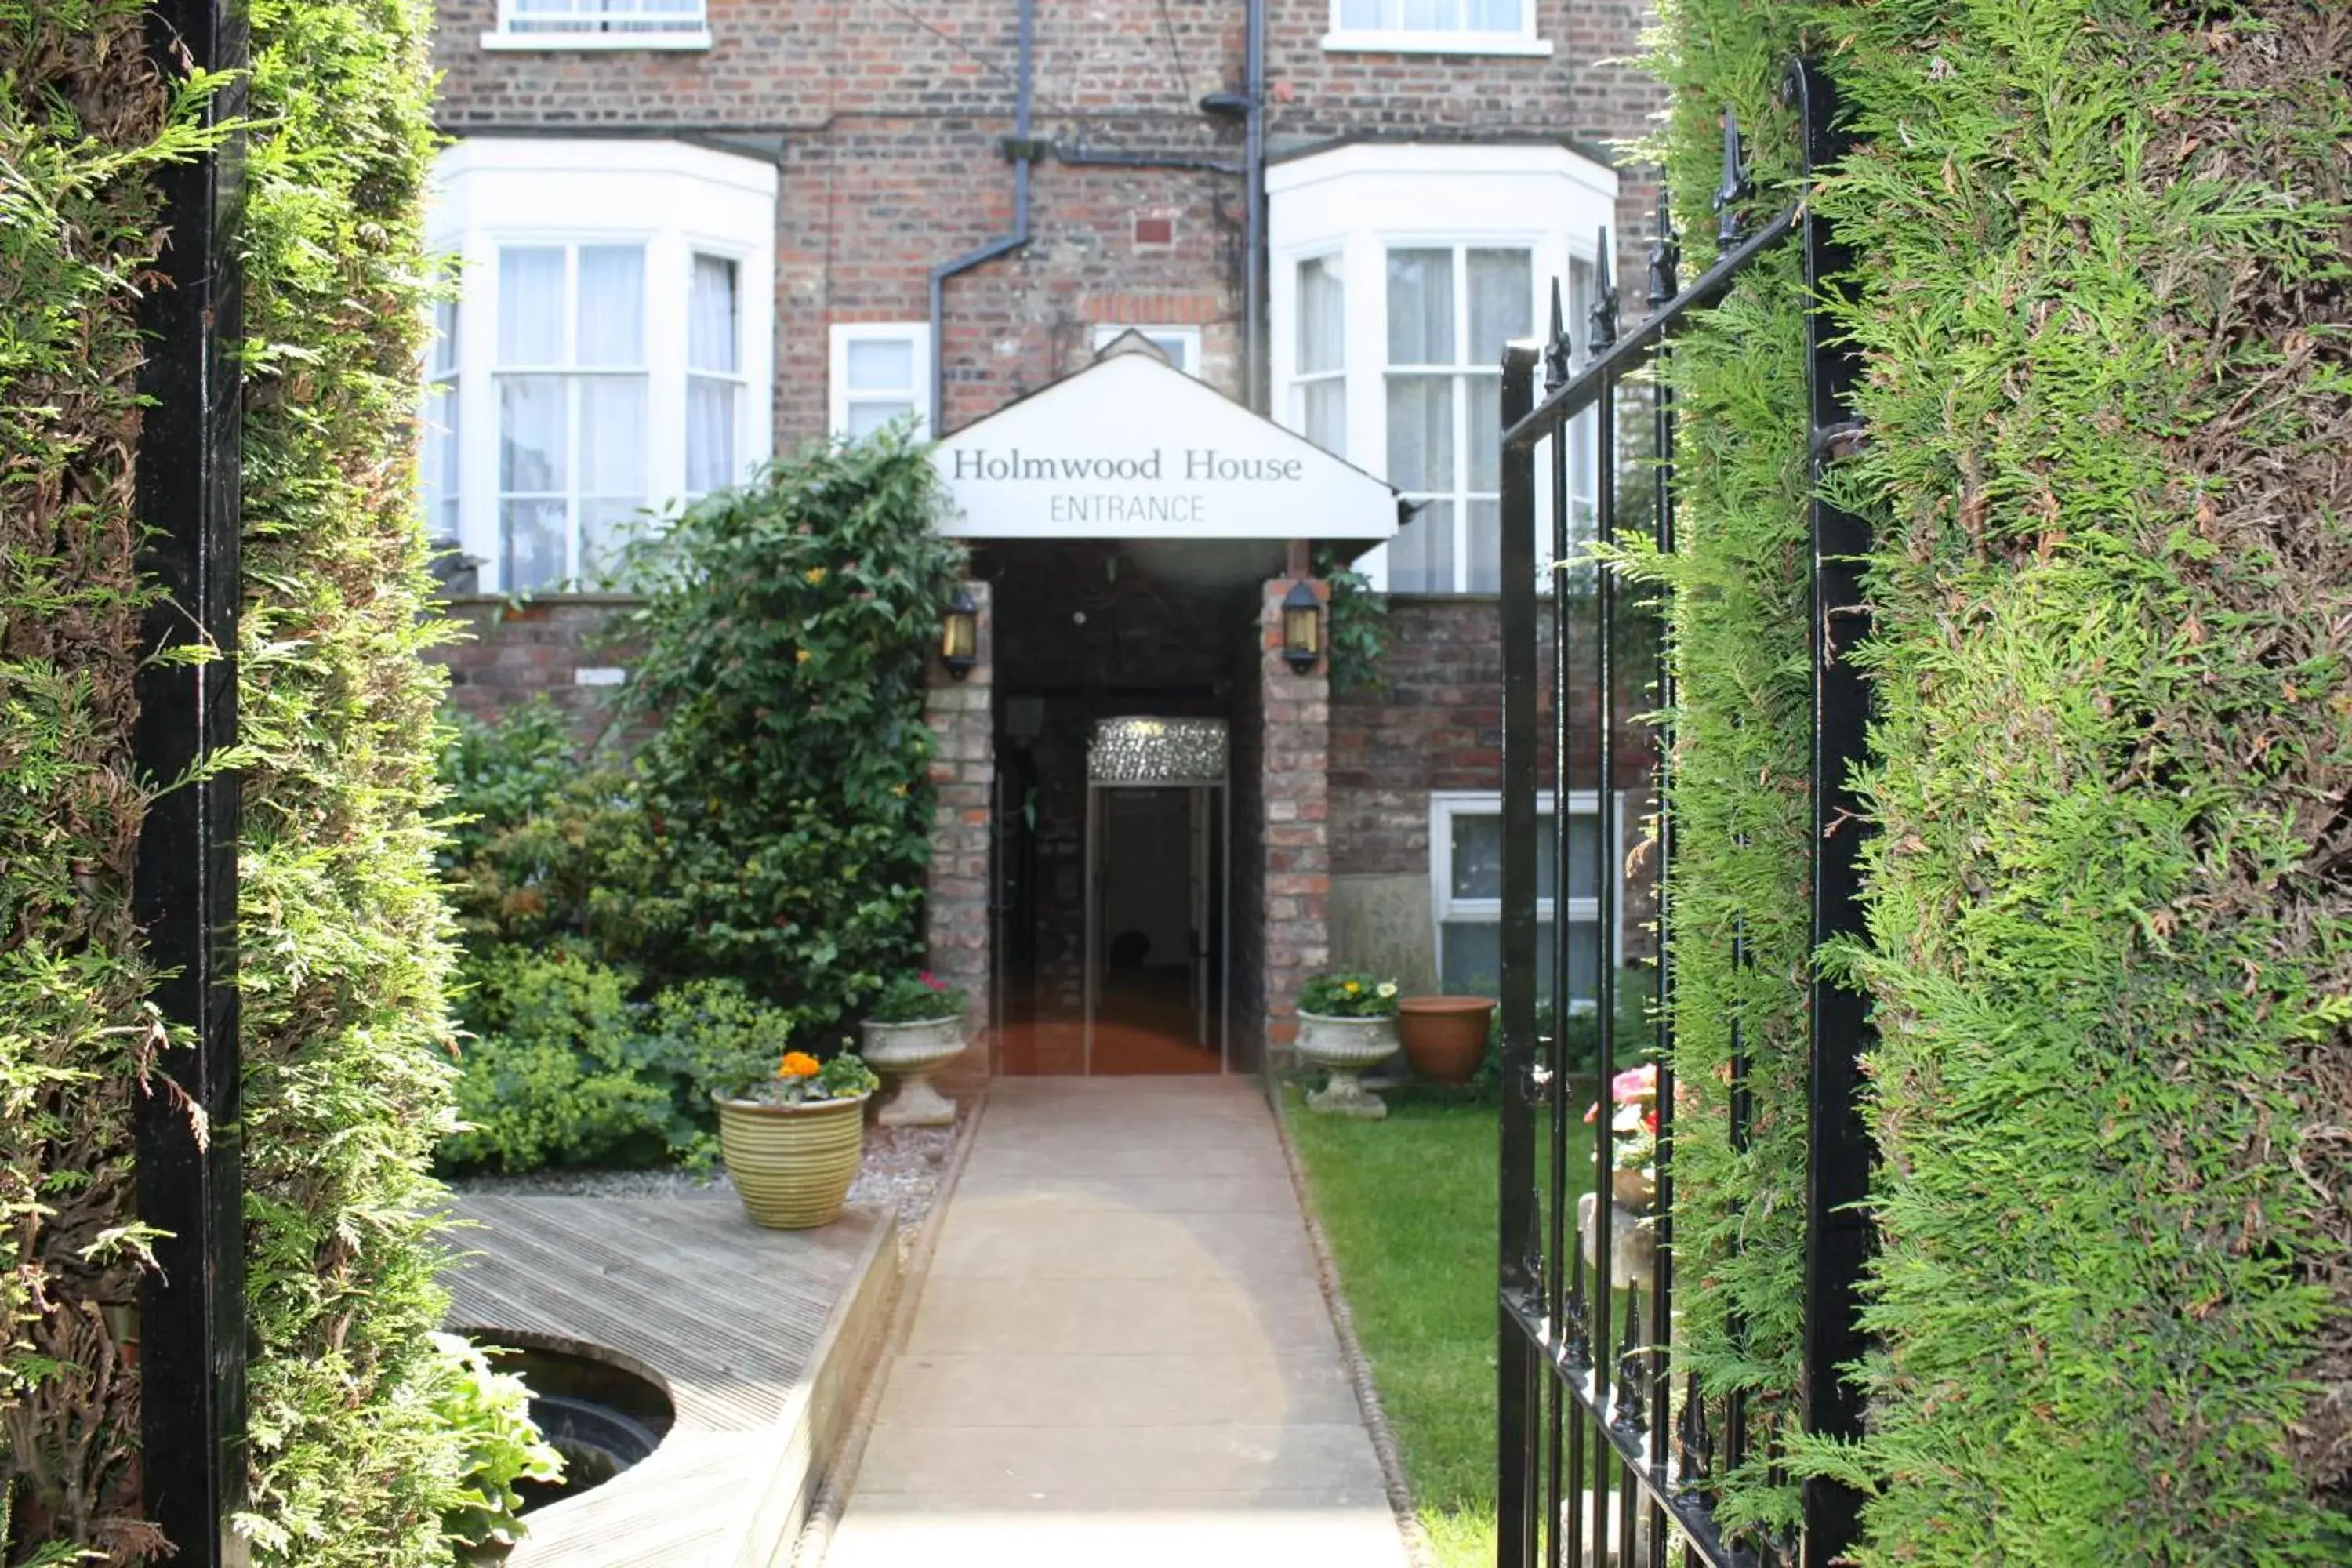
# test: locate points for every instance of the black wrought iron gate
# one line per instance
(1604, 1458)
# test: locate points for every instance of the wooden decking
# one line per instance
(759, 1337)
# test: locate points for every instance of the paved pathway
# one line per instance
(1121, 1355)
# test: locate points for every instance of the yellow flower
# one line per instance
(1353, 987)
(814, 575)
(802, 657)
(798, 1064)
(899, 790)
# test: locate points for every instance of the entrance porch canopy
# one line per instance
(1131, 447)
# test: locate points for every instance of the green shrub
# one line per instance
(914, 998)
(786, 781)
(560, 1070)
(490, 1412)
(547, 845)
(2103, 258)
(1348, 993)
(564, 1068)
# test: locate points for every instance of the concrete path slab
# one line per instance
(1121, 1354)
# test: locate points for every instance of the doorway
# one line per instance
(1158, 868)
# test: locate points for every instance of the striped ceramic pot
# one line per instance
(792, 1164)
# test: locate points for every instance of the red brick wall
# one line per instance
(506, 654)
(1438, 725)
(887, 119)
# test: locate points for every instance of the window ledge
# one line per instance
(1346, 41)
(545, 42)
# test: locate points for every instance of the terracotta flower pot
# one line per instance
(792, 1164)
(1444, 1037)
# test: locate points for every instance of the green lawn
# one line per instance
(1409, 1206)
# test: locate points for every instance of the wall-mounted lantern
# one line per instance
(1302, 627)
(959, 635)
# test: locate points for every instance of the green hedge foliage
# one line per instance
(347, 944)
(84, 124)
(357, 1457)
(2103, 256)
(1736, 594)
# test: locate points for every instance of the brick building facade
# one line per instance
(810, 215)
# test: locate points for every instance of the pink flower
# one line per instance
(933, 981)
(1635, 1083)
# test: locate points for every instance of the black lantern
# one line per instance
(959, 635)
(1302, 627)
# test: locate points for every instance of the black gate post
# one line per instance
(188, 1138)
(1519, 1254)
(1836, 1232)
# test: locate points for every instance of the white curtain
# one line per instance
(1322, 316)
(710, 317)
(1420, 307)
(1502, 302)
(611, 312)
(530, 305)
(709, 433)
(713, 347)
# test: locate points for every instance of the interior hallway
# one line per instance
(1121, 1354)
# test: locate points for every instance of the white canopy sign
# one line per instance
(1131, 447)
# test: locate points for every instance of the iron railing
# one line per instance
(1604, 1457)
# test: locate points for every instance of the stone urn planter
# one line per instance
(1345, 1047)
(792, 1164)
(911, 1052)
(1444, 1037)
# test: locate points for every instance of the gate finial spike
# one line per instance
(1665, 254)
(1736, 186)
(1601, 320)
(1558, 350)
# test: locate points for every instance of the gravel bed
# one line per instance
(902, 1166)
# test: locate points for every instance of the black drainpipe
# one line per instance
(1253, 286)
(1021, 151)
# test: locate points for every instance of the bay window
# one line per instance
(1401, 271)
(614, 359)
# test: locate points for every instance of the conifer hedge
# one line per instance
(2102, 250)
(345, 941)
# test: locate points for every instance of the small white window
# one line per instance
(600, 24)
(1435, 27)
(1180, 345)
(881, 372)
(1465, 870)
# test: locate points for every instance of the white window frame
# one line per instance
(1359, 202)
(492, 193)
(1186, 339)
(1444, 806)
(1344, 39)
(515, 32)
(839, 395)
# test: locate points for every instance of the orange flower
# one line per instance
(798, 1064)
